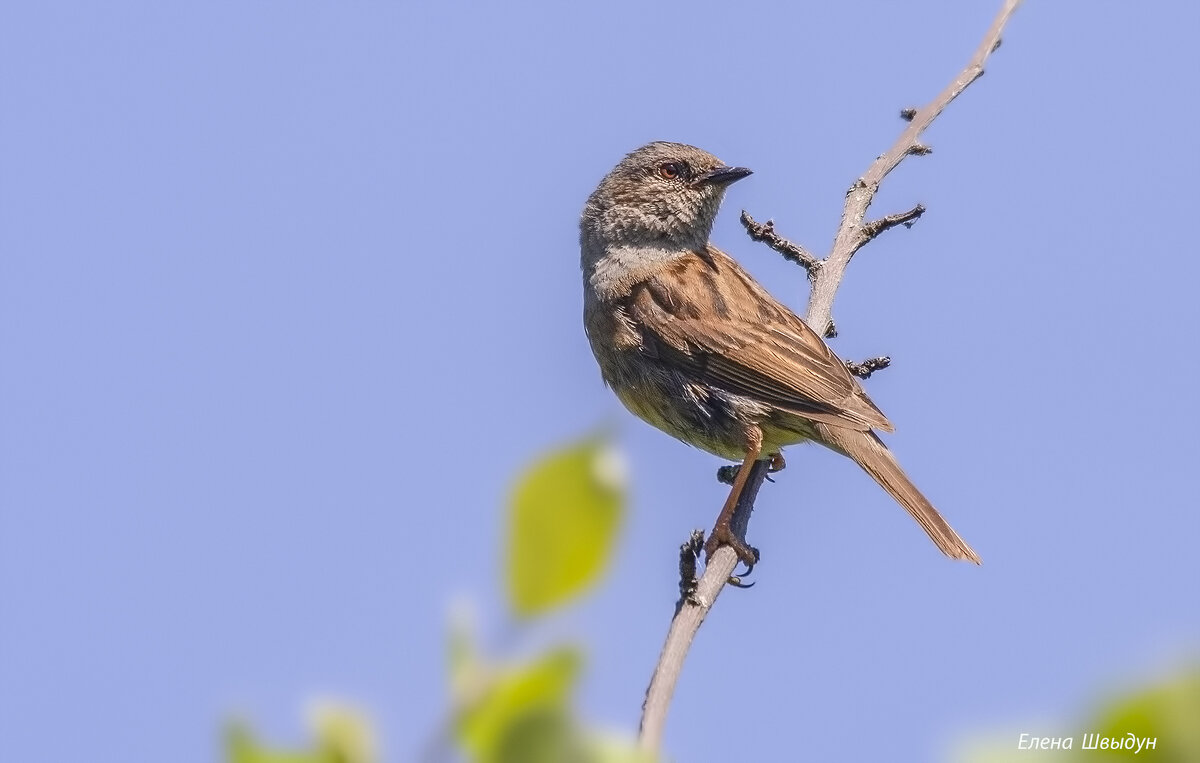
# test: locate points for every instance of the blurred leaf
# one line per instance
(342, 735)
(468, 673)
(1005, 751)
(613, 748)
(542, 735)
(1169, 712)
(242, 747)
(524, 712)
(563, 520)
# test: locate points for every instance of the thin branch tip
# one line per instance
(792, 252)
(875, 227)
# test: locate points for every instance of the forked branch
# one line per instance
(825, 276)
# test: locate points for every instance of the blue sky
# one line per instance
(289, 291)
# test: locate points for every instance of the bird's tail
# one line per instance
(869, 452)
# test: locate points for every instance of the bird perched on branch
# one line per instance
(693, 345)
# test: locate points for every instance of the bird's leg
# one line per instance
(722, 533)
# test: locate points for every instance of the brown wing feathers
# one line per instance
(741, 339)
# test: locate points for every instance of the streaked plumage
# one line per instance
(694, 346)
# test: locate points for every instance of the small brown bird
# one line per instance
(693, 345)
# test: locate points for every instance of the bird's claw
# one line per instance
(722, 535)
(727, 474)
(737, 581)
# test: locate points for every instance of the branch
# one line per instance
(825, 277)
(689, 615)
(862, 192)
(870, 230)
(765, 232)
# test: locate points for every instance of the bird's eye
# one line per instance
(670, 170)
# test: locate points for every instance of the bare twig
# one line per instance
(688, 618)
(875, 227)
(825, 277)
(869, 231)
(869, 366)
(862, 192)
(765, 232)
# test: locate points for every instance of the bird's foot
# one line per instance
(727, 474)
(723, 535)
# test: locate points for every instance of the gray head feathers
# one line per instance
(663, 194)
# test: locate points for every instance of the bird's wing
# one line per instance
(707, 314)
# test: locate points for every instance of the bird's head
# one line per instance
(660, 194)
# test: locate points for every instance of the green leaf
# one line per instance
(541, 735)
(614, 748)
(242, 747)
(563, 520)
(342, 735)
(524, 714)
(1168, 712)
(467, 671)
(1004, 750)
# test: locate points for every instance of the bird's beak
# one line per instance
(721, 176)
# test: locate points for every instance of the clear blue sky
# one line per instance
(290, 290)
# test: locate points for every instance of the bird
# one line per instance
(693, 345)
